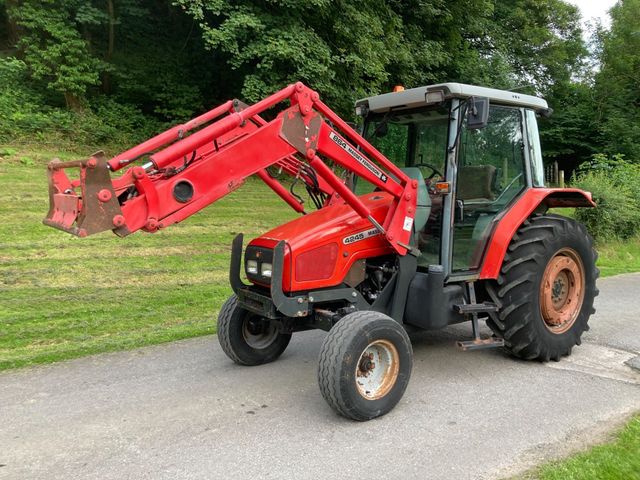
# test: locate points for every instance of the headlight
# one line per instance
(258, 264)
(252, 266)
(265, 270)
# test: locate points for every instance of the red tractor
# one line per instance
(436, 214)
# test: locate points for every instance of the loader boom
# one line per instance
(182, 174)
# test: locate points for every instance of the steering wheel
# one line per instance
(434, 170)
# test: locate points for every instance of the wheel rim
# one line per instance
(562, 290)
(258, 333)
(377, 369)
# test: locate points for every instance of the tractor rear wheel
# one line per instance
(247, 338)
(546, 286)
(365, 365)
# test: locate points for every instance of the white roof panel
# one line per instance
(416, 97)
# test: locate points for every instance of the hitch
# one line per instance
(92, 209)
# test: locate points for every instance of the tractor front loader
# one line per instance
(436, 215)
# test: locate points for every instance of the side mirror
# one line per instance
(477, 113)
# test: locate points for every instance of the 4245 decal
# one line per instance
(356, 237)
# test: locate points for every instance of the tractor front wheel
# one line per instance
(546, 287)
(365, 365)
(247, 338)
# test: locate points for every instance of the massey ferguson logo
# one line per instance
(355, 154)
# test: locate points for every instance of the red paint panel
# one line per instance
(330, 225)
(518, 213)
(317, 264)
(213, 179)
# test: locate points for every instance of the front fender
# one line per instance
(530, 201)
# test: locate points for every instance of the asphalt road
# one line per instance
(183, 410)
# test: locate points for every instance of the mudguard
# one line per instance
(530, 201)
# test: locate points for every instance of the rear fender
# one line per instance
(533, 200)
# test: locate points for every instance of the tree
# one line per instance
(172, 58)
(617, 92)
(344, 49)
(541, 40)
(570, 136)
(53, 47)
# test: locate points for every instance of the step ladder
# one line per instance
(472, 310)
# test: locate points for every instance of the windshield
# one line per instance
(410, 139)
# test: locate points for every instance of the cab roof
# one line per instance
(432, 94)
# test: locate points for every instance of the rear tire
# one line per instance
(364, 366)
(546, 286)
(247, 338)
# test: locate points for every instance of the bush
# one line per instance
(615, 185)
(28, 115)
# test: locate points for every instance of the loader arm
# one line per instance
(173, 175)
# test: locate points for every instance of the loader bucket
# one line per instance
(85, 206)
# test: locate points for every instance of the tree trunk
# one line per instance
(13, 34)
(106, 76)
(73, 102)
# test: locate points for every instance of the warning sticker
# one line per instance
(359, 158)
(356, 237)
(408, 223)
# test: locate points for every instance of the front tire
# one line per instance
(546, 286)
(365, 365)
(247, 338)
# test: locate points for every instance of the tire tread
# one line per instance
(514, 287)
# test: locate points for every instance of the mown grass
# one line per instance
(63, 297)
(619, 257)
(618, 460)
(614, 257)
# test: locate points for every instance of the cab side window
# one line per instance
(491, 173)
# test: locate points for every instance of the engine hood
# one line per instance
(323, 245)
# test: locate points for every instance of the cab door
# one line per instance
(491, 173)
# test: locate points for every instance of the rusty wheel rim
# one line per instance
(377, 369)
(562, 290)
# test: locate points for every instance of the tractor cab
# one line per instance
(474, 151)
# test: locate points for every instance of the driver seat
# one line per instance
(423, 203)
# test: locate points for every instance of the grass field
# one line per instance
(618, 460)
(63, 297)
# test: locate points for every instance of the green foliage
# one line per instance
(25, 115)
(7, 151)
(53, 46)
(540, 39)
(164, 61)
(617, 82)
(570, 135)
(24, 110)
(271, 44)
(614, 184)
(350, 49)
